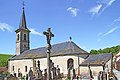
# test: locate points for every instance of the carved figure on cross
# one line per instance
(49, 35)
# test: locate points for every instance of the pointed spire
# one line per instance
(23, 19)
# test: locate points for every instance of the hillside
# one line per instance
(3, 59)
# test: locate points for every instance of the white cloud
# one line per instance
(101, 35)
(117, 20)
(96, 9)
(33, 31)
(111, 31)
(4, 27)
(73, 11)
(101, 7)
(107, 4)
(114, 23)
(110, 2)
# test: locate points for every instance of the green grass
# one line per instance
(4, 59)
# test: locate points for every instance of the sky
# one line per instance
(92, 24)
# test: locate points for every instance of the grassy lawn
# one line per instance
(4, 59)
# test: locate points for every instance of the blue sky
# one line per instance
(92, 24)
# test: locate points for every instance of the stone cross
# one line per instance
(48, 35)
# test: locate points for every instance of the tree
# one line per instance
(114, 50)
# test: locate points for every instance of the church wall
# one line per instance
(20, 64)
(81, 60)
(61, 61)
(17, 48)
(95, 70)
(108, 66)
(17, 43)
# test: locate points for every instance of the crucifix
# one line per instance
(23, 4)
(48, 35)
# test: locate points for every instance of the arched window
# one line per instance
(25, 37)
(17, 36)
(25, 68)
(70, 63)
(13, 68)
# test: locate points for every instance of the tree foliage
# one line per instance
(114, 50)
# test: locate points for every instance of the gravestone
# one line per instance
(58, 72)
(74, 74)
(26, 76)
(100, 75)
(30, 74)
(14, 74)
(39, 74)
(45, 74)
(54, 75)
(68, 75)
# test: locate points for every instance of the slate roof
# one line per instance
(23, 21)
(61, 49)
(97, 59)
(22, 25)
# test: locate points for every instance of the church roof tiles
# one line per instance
(97, 59)
(61, 49)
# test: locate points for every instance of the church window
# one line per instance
(17, 36)
(25, 68)
(24, 45)
(25, 37)
(13, 68)
(70, 63)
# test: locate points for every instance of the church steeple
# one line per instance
(22, 35)
(23, 19)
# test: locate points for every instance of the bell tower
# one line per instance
(22, 35)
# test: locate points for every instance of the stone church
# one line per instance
(63, 55)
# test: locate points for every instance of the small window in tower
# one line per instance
(25, 68)
(24, 45)
(25, 37)
(13, 68)
(18, 37)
